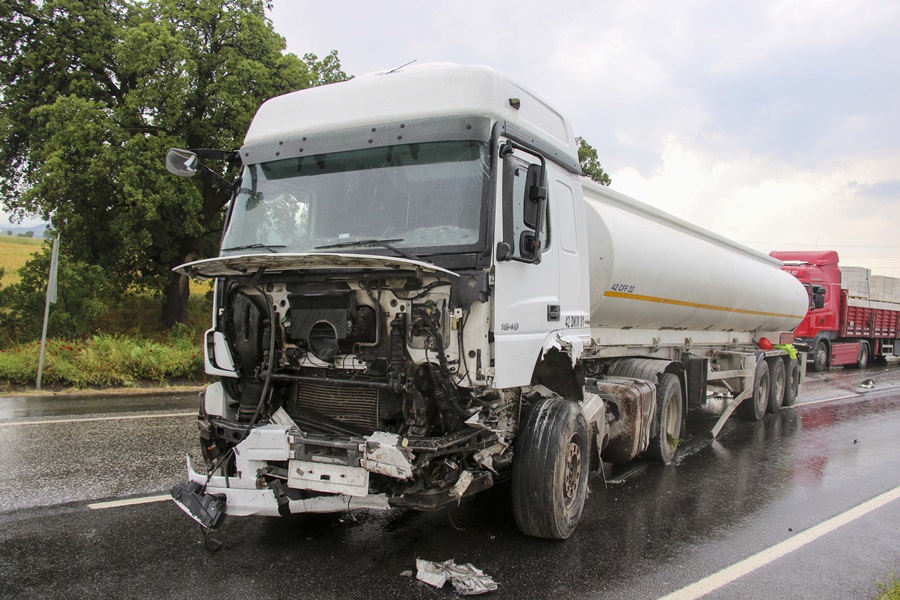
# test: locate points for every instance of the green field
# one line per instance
(14, 253)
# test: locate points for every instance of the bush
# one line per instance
(84, 293)
(105, 361)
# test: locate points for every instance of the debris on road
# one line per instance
(467, 579)
(868, 384)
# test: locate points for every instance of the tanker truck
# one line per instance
(419, 297)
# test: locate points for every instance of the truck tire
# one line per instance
(820, 357)
(754, 407)
(793, 382)
(664, 438)
(550, 470)
(777, 384)
(862, 357)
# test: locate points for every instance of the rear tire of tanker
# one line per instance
(793, 382)
(820, 357)
(669, 402)
(777, 384)
(754, 407)
(550, 470)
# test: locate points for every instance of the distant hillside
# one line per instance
(37, 230)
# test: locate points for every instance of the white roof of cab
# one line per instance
(412, 92)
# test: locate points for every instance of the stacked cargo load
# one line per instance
(884, 289)
(856, 281)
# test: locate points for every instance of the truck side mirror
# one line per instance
(524, 203)
(504, 251)
(535, 196)
(818, 296)
(183, 163)
(530, 247)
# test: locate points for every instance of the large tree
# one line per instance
(93, 93)
(590, 163)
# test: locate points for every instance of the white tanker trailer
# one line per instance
(418, 296)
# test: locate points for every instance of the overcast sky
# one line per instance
(776, 124)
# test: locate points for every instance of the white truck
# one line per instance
(418, 296)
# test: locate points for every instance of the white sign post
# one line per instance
(51, 299)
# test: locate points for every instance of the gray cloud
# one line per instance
(882, 190)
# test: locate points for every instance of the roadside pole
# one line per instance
(51, 299)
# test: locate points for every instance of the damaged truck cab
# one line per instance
(418, 296)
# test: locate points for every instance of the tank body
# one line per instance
(650, 270)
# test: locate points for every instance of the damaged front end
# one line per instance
(344, 389)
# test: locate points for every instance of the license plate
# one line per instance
(333, 479)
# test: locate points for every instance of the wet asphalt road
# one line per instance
(643, 535)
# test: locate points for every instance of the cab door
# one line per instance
(526, 278)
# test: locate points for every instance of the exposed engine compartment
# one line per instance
(346, 360)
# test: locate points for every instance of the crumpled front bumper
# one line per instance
(344, 482)
(243, 498)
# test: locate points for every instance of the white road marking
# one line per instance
(129, 502)
(760, 559)
(799, 404)
(90, 419)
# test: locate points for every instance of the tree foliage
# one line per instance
(84, 292)
(93, 93)
(590, 164)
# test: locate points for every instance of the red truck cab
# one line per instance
(839, 330)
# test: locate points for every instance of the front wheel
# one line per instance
(820, 357)
(550, 470)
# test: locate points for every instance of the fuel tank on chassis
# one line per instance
(649, 270)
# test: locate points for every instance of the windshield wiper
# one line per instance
(249, 246)
(382, 243)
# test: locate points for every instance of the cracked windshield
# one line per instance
(427, 197)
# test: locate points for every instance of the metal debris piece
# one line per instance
(467, 579)
(280, 417)
(465, 478)
(388, 454)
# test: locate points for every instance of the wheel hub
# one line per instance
(573, 470)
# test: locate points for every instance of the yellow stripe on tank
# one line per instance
(627, 296)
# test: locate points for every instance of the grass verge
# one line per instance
(103, 361)
(889, 589)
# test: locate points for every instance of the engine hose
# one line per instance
(448, 388)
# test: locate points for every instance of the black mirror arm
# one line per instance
(227, 185)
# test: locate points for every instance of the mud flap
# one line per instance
(206, 509)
